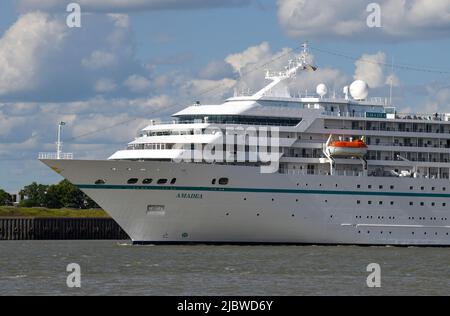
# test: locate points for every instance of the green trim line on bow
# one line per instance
(262, 190)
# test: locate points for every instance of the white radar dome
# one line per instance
(322, 90)
(359, 90)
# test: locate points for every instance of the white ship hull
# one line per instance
(263, 208)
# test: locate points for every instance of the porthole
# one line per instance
(223, 181)
(380, 187)
(411, 203)
(132, 181)
(162, 181)
(100, 182)
(392, 202)
(173, 181)
(147, 181)
(213, 181)
(392, 187)
(411, 188)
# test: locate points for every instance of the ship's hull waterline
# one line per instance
(263, 208)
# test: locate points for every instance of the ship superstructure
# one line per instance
(349, 170)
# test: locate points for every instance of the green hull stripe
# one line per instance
(249, 190)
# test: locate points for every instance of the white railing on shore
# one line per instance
(54, 156)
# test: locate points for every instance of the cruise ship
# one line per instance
(279, 168)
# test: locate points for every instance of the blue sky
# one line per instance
(142, 59)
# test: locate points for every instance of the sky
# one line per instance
(137, 60)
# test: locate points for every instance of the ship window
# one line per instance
(369, 202)
(369, 186)
(133, 181)
(411, 203)
(100, 181)
(380, 187)
(147, 181)
(392, 202)
(411, 188)
(358, 202)
(213, 181)
(173, 181)
(358, 186)
(444, 204)
(162, 181)
(392, 187)
(433, 204)
(223, 181)
(433, 188)
(381, 202)
(422, 204)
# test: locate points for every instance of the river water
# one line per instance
(118, 268)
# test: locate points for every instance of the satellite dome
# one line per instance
(359, 90)
(322, 90)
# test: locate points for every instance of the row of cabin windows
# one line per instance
(149, 181)
(431, 218)
(393, 187)
(222, 181)
(145, 181)
(413, 233)
(410, 203)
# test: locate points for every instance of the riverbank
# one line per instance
(9, 211)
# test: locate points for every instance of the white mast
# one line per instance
(299, 62)
(59, 142)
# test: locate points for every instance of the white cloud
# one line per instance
(251, 55)
(137, 83)
(99, 59)
(32, 38)
(104, 85)
(216, 69)
(370, 69)
(438, 100)
(400, 19)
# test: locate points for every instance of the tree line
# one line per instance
(55, 196)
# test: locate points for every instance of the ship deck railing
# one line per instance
(436, 117)
(346, 173)
(55, 156)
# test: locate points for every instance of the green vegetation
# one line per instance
(5, 198)
(10, 211)
(57, 196)
(58, 200)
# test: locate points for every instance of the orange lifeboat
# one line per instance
(354, 148)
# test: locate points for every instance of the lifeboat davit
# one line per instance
(355, 148)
